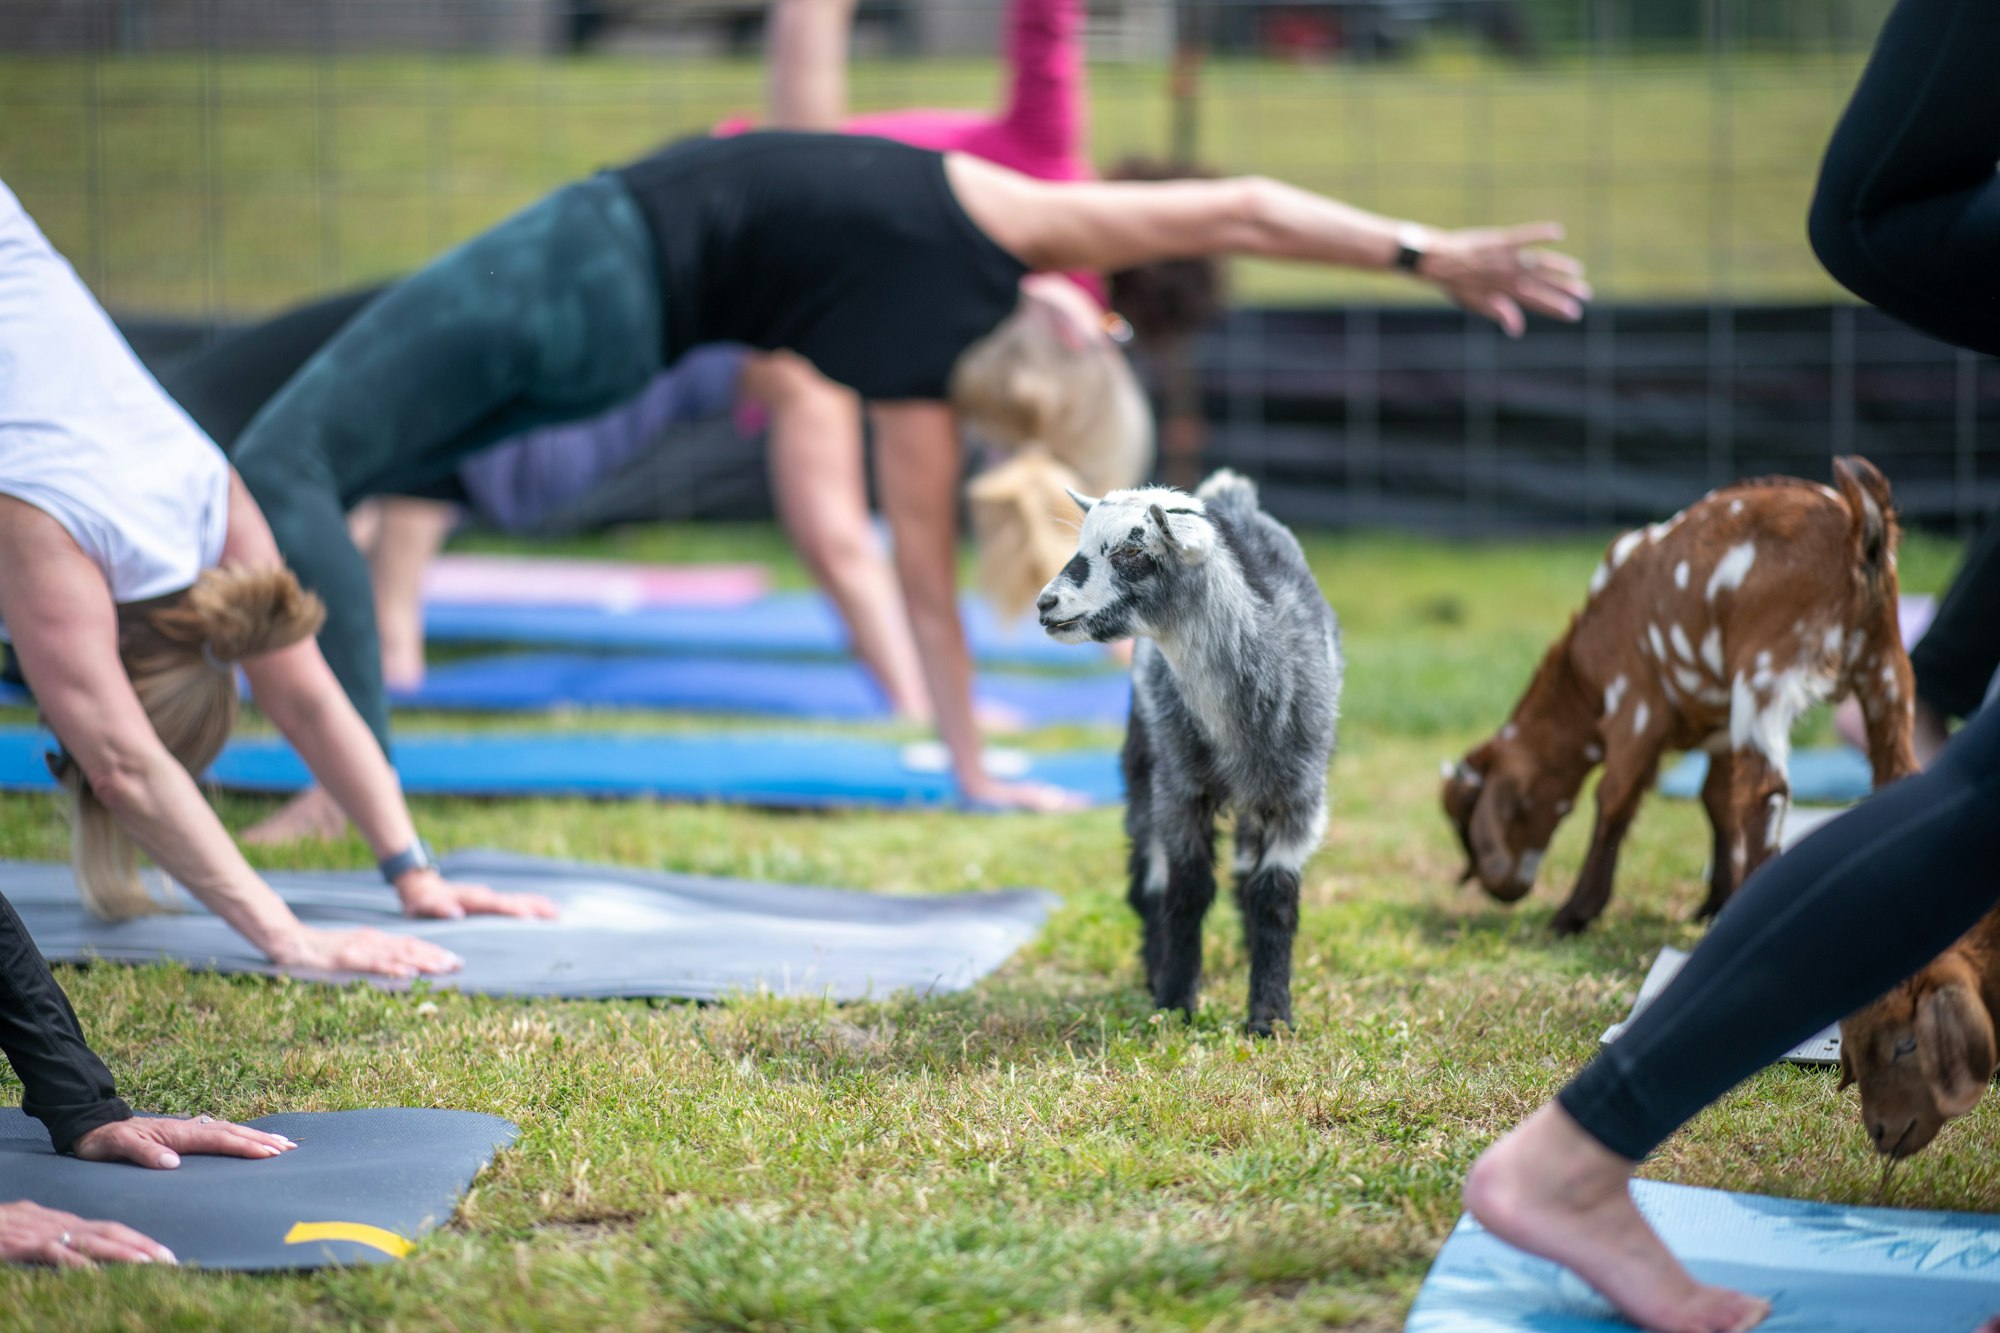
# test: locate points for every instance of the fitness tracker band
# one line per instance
(1410, 242)
(417, 856)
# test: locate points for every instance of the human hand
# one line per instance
(1496, 271)
(426, 893)
(988, 794)
(364, 950)
(32, 1234)
(159, 1141)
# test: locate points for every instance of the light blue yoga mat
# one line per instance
(788, 624)
(758, 687)
(767, 770)
(1826, 1268)
(1833, 776)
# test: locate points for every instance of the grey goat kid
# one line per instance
(1235, 693)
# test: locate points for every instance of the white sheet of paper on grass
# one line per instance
(1823, 1049)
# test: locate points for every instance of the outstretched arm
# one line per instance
(1496, 272)
(299, 693)
(805, 71)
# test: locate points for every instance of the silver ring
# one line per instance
(64, 1241)
(204, 1120)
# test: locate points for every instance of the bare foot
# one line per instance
(310, 814)
(1552, 1190)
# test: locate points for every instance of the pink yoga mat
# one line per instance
(503, 580)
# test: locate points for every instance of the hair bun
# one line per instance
(234, 613)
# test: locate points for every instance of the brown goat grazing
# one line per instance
(1713, 630)
(1924, 1053)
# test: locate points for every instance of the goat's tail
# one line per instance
(1228, 491)
(1873, 530)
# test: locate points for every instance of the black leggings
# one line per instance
(1956, 659)
(1908, 215)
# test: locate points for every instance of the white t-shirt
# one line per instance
(88, 436)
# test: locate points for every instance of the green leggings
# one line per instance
(551, 316)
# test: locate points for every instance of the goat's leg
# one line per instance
(1146, 859)
(1249, 851)
(1887, 691)
(1760, 793)
(1186, 831)
(1725, 871)
(1628, 772)
(1270, 901)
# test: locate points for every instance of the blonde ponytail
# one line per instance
(1024, 527)
(1071, 416)
(181, 656)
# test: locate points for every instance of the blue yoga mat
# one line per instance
(768, 687)
(781, 771)
(795, 624)
(1819, 777)
(1827, 1268)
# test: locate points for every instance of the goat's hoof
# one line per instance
(1265, 1027)
(1566, 924)
(1709, 908)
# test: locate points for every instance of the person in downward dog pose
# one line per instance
(136, 573)
(1908, 216)
(1235, 692)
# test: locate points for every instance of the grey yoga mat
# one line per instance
(361, 1187)
(622, 932)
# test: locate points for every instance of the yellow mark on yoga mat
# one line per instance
(375, 1238)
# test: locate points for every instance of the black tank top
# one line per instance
(851, 251)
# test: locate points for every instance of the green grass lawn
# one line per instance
(234, 185)
(1044, 1152)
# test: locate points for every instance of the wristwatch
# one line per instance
(417, 856)
(1411, 241)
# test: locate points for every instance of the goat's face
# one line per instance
(1134, 548)
(1505, 812)
(1922, 1054)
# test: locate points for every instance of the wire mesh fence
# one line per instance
(206, 162)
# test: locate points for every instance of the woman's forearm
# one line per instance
(297, 690)
(159, 805)
(1281, 221)
(947, 666)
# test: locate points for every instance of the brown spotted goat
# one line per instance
(1714, 631)
(1924, 1053)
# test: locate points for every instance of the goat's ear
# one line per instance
(1083, 502)
(1486, 835)
(1955, 1043)
(1192, 543)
